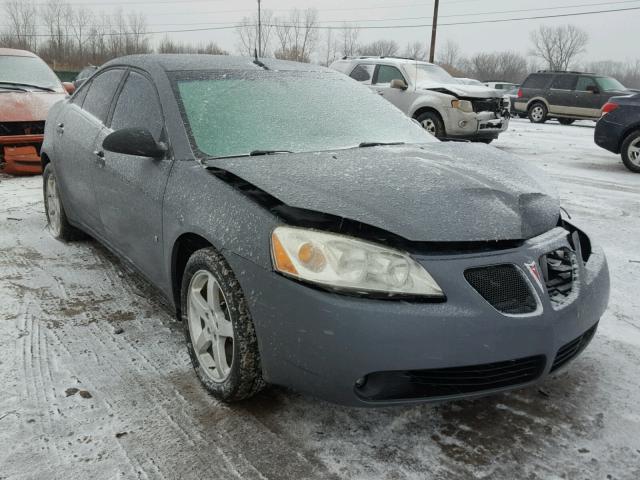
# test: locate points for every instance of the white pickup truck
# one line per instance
(444, 106)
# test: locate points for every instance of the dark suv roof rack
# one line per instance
(564, 71)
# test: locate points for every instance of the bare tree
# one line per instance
(331, 48)
(415, 50)
(21, 18)
(247, 32)
(505, 66)
(383, 48)
(349, 39)
(297, 35)
(167, 45)
(559, 46)
(450, 55)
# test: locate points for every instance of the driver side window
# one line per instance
(138, 106)
(387, 73)
(585, 83)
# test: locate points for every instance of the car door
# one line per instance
(562, 97)
(382, 78)
(589, 98)
(77, 130)
(130, 188)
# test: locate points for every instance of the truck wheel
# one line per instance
(57, 221)
(220, 335)
(432, 123)
(537, 112)
(631, 151)
(566, 121)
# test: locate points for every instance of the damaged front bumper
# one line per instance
(365, 352)
(475, 125)
(20, 154)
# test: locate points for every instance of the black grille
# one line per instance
(572, 349)
(446, 382)
(504, 287)
(487, 105)
(560, 270)
(21, 128)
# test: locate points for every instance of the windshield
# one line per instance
(27, 70)
(424, 73)
(238, 113)
(609, 84)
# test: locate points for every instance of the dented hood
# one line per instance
(439, 192)
(461, 90)
(27, 106)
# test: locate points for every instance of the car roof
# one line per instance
(13, 52)
(384, 59)
(189, 62)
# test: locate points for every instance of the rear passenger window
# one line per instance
(564, 82)
(78, 97)
(537, 80)
(138, 106)
(386, 74)
(363, 73)
(100, 94)
(584, 83)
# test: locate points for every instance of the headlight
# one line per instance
(464, 105)
(347, 263)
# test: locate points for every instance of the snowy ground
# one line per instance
(146, 416)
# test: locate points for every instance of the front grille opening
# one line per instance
(447, 382)
(560, 272)
(572, 349)
(504, 287)
(489, 105)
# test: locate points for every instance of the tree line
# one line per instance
(69, 37)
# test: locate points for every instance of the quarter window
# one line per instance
(100, 94)
(387, 73)
(138, 106)
(363, 73)
(536, 80)
(564, 82)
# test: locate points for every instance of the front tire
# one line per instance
(631, 151)
(57, 221)
(537, 112)
(220, 335)
(432, 123)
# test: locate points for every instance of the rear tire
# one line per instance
(432, 123)
(566, 121)
(630, 151)
(537, 112)
(57, 221)
(220, 335)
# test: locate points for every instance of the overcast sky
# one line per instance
(613, 36)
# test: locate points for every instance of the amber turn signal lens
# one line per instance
(281, 258)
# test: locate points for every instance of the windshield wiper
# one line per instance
(378, 144)
(28, 85)
(257, 153)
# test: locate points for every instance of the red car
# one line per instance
(28, 88)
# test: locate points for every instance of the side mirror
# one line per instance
(69, 87)
(399, 84)
(134, 141)
(593, 89)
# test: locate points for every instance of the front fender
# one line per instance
(432, 100)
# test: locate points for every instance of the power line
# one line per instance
(473, 14)
(371, 27)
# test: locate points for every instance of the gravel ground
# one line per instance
(97, 383)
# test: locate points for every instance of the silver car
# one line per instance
(445, 107)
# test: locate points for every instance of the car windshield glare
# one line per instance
(423, 73)
(236, 113)
(28, 71)
(609, 84)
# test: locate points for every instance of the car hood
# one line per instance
(440, 192)
(27, 106)
(460, 90)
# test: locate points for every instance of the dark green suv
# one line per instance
(567, 96)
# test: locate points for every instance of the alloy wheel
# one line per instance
(53, 206)
(537, 113)
(210, 326)
(430, 126)
(634, 152)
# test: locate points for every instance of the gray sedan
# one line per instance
(310, 235)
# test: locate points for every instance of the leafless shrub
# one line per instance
(385, 48)
(559, 46)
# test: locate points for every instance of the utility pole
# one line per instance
(259, 30)
(434, 29)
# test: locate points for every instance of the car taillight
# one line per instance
(519, 93)
(608, 108)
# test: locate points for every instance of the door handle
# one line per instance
(99, 154)
(60, 128)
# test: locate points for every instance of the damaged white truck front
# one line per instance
(445, 107)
